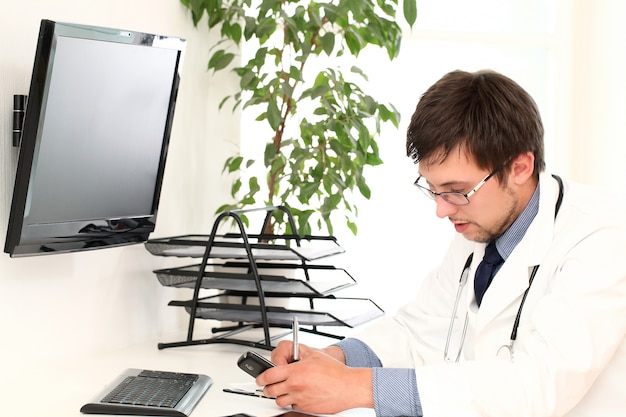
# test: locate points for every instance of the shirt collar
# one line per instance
(514, 234)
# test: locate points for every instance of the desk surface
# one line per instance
(60, 389)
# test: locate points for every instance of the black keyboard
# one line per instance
(151, 393)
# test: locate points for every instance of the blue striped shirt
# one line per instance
(515, 233)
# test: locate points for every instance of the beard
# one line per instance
(510, 214)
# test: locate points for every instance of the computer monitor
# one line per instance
(95, 136)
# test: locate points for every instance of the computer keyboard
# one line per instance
(150, 393)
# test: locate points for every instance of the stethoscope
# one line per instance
(506, 349)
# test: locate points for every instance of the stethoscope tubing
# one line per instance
(459, 291)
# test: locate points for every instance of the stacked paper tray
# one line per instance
(194, 246)
(321, 280)
(328, 312)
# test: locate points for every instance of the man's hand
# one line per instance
(318, 383)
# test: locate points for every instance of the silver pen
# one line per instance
(296, 345)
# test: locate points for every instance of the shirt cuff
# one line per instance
(395, 389)
(395, 392)
(358, 354)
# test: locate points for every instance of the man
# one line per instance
(536, 328)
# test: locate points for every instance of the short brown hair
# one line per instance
(484, 113)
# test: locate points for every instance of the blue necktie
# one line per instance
(486, 270)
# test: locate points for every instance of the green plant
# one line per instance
(324, 126)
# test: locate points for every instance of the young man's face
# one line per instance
(491, 210)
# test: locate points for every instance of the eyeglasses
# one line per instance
(456, 198)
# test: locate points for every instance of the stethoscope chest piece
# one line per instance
(505, 352)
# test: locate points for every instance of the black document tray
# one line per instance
(333, 311)
(322, 280)
(230, 247)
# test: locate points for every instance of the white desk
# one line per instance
(60, 389)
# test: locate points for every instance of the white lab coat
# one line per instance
(570, 355)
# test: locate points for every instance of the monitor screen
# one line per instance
(96, 129)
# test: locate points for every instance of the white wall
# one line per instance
(598, 137)
(61, 306)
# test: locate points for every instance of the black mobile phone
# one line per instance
(253, 363)
(240, 415)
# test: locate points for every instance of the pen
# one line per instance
(256, 393)
(296, 345)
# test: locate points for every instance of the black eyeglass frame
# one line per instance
(447, 195)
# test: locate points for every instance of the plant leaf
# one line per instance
(410, 11)
(328, 43)
(220, 60)
(273, 115)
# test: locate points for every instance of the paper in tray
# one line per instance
(194, 246)
(349, 312)
(292, 254)
(320, 281)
